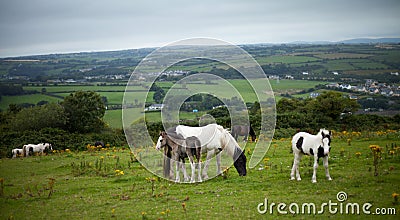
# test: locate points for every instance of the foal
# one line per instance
(315, 145)
(182, 148)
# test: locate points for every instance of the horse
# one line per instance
(99, 143)
(181, 148)
(214, 139)
(243, 130)
(318, 145)
(30, 149)
(16, 152)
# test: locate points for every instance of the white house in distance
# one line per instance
(154, 107)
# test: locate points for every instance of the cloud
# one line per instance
(46, 26)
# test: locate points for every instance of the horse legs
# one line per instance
(295, 169)
(193, 166)
(314, 176)
(177, 165)
(207, 163)
(183, 167)
(235, 135)
(325, 160)
(219, 172)
(198, 156)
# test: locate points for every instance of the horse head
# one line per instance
(162, 140)
(326, 141)
(240, 162)
(47, 148)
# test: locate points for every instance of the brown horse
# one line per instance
(178, 148)
(243, 130)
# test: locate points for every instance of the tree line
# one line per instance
(75, 122)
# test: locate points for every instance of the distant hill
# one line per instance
(354, 41)
(371, 41)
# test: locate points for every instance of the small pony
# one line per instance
(30, 149)
(17, 152)
(178, 148)
(316, 145)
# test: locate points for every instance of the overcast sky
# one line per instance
(49, 26)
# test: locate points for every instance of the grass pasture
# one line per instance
(32, 99)
(286, 59)
(115, 94)
(90, 185)
(342, 55)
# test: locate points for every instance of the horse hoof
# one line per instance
(330, 179)
(314, 181)
(292, 178)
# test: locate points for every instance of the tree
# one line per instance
(219, 112)
(159, 96)
(84, 111)
(159, 93)
(332, 104)
(39, 117)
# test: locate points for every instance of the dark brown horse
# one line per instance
(243, 130)
(177, 149)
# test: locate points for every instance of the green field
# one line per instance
(287, 59)
(115, 94)
(32, 99)
(83, 190)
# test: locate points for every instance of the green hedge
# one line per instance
(58, 138)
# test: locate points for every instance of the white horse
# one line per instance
(17, 152)
(214, 139)
(36, 148)
(315, 145)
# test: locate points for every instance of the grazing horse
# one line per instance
(99, 143)
(181, 148)
(243, 130)
(213, 139)
(30, 149)
(17, 152)
(315, 145)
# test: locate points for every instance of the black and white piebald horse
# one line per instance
(213, 139)
(30, 149)
(318, 146)
(17, 152)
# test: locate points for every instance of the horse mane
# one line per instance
(323, 132)
(228, 142)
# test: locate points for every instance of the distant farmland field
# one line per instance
(115, 94)
(287, 59)
(31, 99)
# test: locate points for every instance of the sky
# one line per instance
(31, 27)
